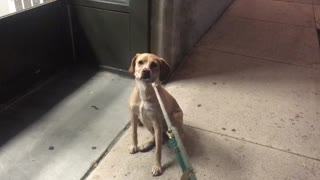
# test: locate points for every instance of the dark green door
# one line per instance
(109, 32)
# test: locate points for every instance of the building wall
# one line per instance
(176, 26)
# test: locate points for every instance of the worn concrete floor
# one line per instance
(60, 129)
(250, 92)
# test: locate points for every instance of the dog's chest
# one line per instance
(149, 111)
(149, 108)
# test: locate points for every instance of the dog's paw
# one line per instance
(156, 170)
(133, 149)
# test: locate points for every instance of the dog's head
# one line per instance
(149, 67)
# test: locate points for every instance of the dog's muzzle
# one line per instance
(146, 74)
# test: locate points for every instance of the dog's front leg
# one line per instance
(134, 125)
(158, 130)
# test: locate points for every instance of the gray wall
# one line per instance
(177, 25)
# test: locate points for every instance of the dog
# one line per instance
(144, 106)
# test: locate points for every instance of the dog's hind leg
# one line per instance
(147, 146)
(150, 144)
(140, 123)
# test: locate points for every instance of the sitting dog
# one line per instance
(144, 106)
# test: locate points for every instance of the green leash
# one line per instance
(188, 173)
(175, 143)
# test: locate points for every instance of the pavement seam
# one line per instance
(257, 58)
(106, 152)
(270, 21)
(294, 2)
(255, 143)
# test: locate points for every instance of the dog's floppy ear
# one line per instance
(164, 69)
(133, 63)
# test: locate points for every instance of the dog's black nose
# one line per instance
(146, 74)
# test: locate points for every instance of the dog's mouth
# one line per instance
(146, 75)
(146, 79)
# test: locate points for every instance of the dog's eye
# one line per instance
(153, 65)
(140, 62)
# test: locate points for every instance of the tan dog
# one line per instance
(147, 69)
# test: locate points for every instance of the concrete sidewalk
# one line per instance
(250, 92)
